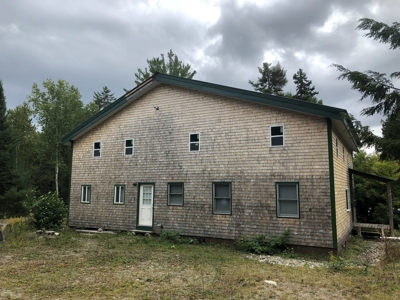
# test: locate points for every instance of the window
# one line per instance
(194, 142)
(175, 194)
(348, 200)
(287, 198)
(277, 136)
(129, 147)
(343, 152)
(337, 148)
(96, 149)
(85, 194)
(119, 194)
(222, 198)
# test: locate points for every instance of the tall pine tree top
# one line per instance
(304, 90)
(272, 80)
(103, 98)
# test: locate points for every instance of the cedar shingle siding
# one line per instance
(234, 147)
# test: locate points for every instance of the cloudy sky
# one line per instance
(96, 43)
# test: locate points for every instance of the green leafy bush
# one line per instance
(48, 212)
(264, 244)
(175, 237)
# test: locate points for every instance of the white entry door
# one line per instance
(146, 205)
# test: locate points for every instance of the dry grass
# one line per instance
(123, 266)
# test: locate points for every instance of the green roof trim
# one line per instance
(221, 90)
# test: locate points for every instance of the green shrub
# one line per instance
(264, 244)
(171, 236)
(48, 212)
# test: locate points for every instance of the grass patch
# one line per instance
(124, 266)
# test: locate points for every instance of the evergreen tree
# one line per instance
(173, 67)
(103, 98)
(6, 142)
(272, 80)
(304, 90)
(379, 88)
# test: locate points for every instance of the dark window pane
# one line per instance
(116, 194)
(222, 190)
(176, 188)
(287, 191)
(194, 146)
(128, 151)
(96, 153)
(288, 207)
(277, 130)
(222, 205)
(88, 193)
(176, 199)
(122, 196)
(97, 145)
(128, 143)
(194, 138)
(277, 141)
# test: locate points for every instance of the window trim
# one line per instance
(348, 200)
(190, 134)
(86, 186)
(119, 186)
(168, 193)
(277, 199)
(133, 147)
(271, 137)
(215, 212)
(94, 149)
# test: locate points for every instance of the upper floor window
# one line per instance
(129, 147)
(277, 136)
(194, 142)
(96, 149)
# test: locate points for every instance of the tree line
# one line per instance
(33, 161)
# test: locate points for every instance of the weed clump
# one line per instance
(264, 244)
(175, 237)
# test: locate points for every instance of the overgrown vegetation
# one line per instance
(48, 212)
(126, 266)
(264, 244)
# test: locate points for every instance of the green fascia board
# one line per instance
(257, 97)
(277, 101)
(93, 120)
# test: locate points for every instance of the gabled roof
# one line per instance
(329, 112)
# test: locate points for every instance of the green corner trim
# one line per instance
(332, 184)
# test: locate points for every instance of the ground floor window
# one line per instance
(85, 193)
(119, 194)
(222, 198)
(175, 194)
(287, 199)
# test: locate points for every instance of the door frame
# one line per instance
(147, 228)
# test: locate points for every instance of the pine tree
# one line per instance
(173, 67)
(380, 89)
(272, 80)
(304, 90)
(103, 98)
(6, 144)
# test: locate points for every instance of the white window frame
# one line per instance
(279, 200)
(277, 136)
(86, 193)
(190, 142)
(176, 194)
(348, 200)
(220, 212)
(119, 194)
(131, 147)
(94, 149)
